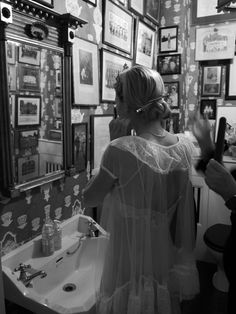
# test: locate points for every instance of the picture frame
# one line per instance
(85, 72)
(169, 64)
(152, 10)
(208, 108)
(211, 80)
(136, 6)
(205, 12)
(28, 139)
(58, 107)
(229, 112)
(28, 168)
(29, 54)
(46, 3)
(230, 88)
(214, 43)
(172, 123)
(80, 146)
(28, 110)
(11, 69)
(118, 27)
(92, 2)
(100, 137)
(144, 44)
(172, 94)
(11, 52)
(168, 39)
(29, 78)
(112, 65)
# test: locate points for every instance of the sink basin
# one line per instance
(70, 284)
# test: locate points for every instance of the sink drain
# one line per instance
(69, 287)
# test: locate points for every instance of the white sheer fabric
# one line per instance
(150, 217)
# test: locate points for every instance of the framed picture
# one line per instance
(28, 110)
(28, 168)
(172, 123)
(58, 107)
(172, 94)
(211, 80)
(92, 2)
(230, 90)
(29, 78)
(11, 68)
(12, 109)
(208, 108)
(85, 72)
(79, 145)
(29, 54)
(11, 52)
(136, 6)
(229, 112)
(215, 43)
(100, 137)
(168, 39)
(144, 44)
(112, 65)
(205, 12)
(118, 27)
(28, 139)
(169, 64)
(58, 81)
(152, 10)
(47, 3)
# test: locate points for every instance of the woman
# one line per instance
(148, 209)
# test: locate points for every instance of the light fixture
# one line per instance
(226, 5)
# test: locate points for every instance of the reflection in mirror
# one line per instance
(36, 96)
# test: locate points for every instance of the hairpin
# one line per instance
(143, 108)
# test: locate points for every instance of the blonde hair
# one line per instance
(141, 90)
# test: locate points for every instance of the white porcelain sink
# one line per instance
(70, 284)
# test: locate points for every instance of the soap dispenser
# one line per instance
(48, 246)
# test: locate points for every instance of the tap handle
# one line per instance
(22, 267)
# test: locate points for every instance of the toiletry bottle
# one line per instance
(57, 234)
(48, 238)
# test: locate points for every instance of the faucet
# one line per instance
(92, 228)
(27, 273)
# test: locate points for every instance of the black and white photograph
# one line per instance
(28, 139)
(152, 10)
(169, 64)
(28, 110)
(29, 54)
(79, 145)
(172, 94)
(11, 52)
(28, 168)
(211, 80)
(168, 39)
(136, 6)
(208, 108)
(29, 78)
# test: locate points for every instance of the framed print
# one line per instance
(172, 123)
(152, 10)
(28, 168)
(11, 68)
(29, 54)
(208, 108)
(168, 39)
(112, 65)
(144, 44)
(118, 27)
(85, 72)
(100, 137)
(211, 80)
(29, 78)
(230, 89)
(47, 3)
(79, 145)
(205, 12)
(215, 43)
(28, 139)
(58, 107)
(136, 6)
(172, 94)
(28, 110)
(229, 112)
(11, 52)
(92, 2)
(169, 64)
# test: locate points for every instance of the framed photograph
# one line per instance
(152, 10)
(28, 139)
(112, 65)
(118, 27)
(28, 168)
(136, 6)
(172, 123)
(229, 112)
(205, 12)
(100, 137)
(29, 78)
(144, 44)
(28, 110)
(92, 2)
(208, 108)
(85, 72)
(172, 94)
(168, 39)
(79, 145)
(230, 88)
(58, 107)
(215, 43)
(29, 54)
(11, 52)
(11, 68)
(47, 3)
(58, 81)
(169, 64)
(211, 80)
(12, 105)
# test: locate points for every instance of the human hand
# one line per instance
(220, 180)
(119, 127)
